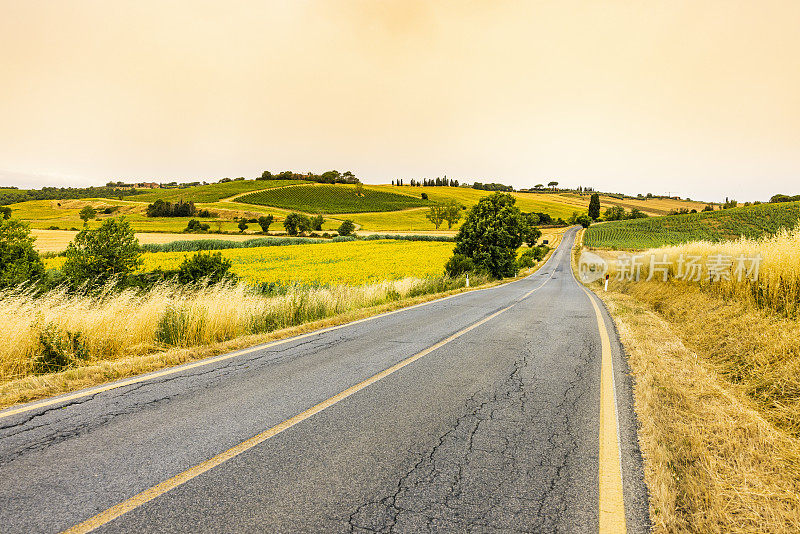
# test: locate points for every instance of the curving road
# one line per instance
(475, 413)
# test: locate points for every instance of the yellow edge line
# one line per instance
(171, 483)
(612, 501)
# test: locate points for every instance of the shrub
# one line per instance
(57, 353)
(296, 223)
(459, 264)
(424, 196)
(87, 213)
(5, 211)
(242, 225)
(265, 221)
(97, 256)
(526, 260)
(210, 267)
(584, 220)
(196, 226)
(346, 228)
(19, 261)
(160, 208)
(316, 222)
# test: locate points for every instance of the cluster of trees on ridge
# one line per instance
(62, 193)
(328, 177)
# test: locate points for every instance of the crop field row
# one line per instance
(332, 199)
(351, 263)
(751, 222)
(211, 192)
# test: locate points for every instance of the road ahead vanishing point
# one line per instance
(490, 411)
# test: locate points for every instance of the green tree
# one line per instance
(452, 213)
(87, 213)
(491, 234)
(19, 261)
(205, 267)
(265, 221)
(436, 214)
(584, 220)
(5, 211)
(316, 223)
(296, 223)
(614, 213)
(97, 256)
(594, 206)
(636, 213)
(242, 225)
(346, 228)
(552, 185)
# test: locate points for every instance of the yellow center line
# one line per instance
(171, 483)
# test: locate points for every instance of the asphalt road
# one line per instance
(495, 430)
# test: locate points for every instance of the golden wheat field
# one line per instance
(765, 271)
(355, 262)
(60, 329)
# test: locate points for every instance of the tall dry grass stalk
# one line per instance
(777, 286)
(57, 330)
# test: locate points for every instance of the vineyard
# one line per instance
(332, 199)
(713, 226)
(211, 192)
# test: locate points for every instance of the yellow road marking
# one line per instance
(171, 483)
(612, 503)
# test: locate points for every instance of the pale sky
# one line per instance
(696, 98)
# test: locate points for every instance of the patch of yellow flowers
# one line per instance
(351, 263)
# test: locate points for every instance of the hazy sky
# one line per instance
(697, 98)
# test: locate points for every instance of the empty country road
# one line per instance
(481, 412)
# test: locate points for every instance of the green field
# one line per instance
(332, 199)
(751, 221)
(211, 192)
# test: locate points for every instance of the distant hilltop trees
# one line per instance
(329, 177)
(784, 198)
(61, 193)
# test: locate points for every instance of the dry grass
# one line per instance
(778, 283)
(59, 329)
(716, 396)
(33, 387)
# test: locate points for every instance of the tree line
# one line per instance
(62, 193)
(328, 177)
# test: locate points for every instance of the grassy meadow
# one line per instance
(751, 221)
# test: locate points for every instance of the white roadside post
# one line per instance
(606, 288)
(467, 279)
